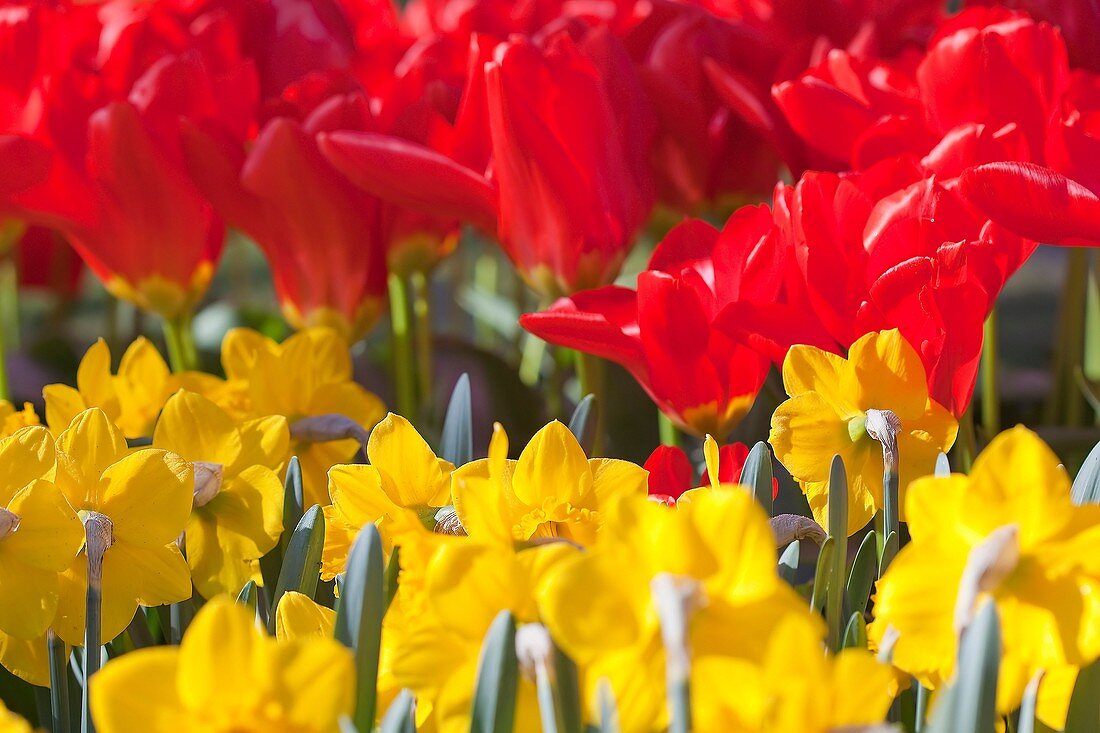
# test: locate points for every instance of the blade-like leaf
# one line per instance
(943, 466)
(757, 475)
(788, 562)
(457, 443)
(838, 532)
(1086, 487)
(583, 422)
(359, 620)
(861, 578)
(889, 550)
(969, 703)
(1083, 715)
(302, 563)
(855, 633)
(400, 716)
(821, 574)
(494, 706)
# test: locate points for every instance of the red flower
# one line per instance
(116, 187)
(703, 326)
(46, 261)
(671, 472)
(570, 185)
(324, 238)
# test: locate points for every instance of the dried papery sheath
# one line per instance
(208, 481)
(535, 652)
(988, 564)
(884, 426)
(9, 522)
(326, 428)
(447, 522)
(790, 527)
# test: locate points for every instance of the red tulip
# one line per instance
(1078, 21)
(700, 331)
(45, 261)
(671, 472)
(570, 185)
(324, 238)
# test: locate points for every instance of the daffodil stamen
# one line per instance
(208, 481)
(9, 522)
(989, 563)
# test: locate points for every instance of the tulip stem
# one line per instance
(669, 434)
(991, 396)
(180, 338)
(422, 311)
(59, 682)
(403, 376)
(592, 376)
(9, 318)
(967, 443)
(1063, 401)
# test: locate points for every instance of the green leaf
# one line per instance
(788, 562)
(494, 705)
(457, 442)
(359, 620)
(59, 683)
(302, 564)
(821, 573)
(861, 578)
(271, 563)
(393, 574)
(969, 703)
(855, 632)
(943, 466)
(1086, 487)
(757, 475)
(571, 705)
(583, 423)
(838, 532)
(889, 551)
(400, 716)
(1083, 715)
(247, 595)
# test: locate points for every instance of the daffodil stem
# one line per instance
(922, 707)
(991, 396)
(591, 374)
(404, 378)
(180, 339)
(669, 434)
(99, 535)
(9, 318)
(59, 682)
(422, 311)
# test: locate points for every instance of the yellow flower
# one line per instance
(553, 490)
(146, 497)
(131, 398)
(299, 617)
(599, 605)
(400, 491)
(39, 534)
(227, 675)
(12, 420)
(827, 413)
(435, 652)
(1008, 532)
(26, 659)
(307, 375)
(12, 723)
(238, 495)
(797, 689)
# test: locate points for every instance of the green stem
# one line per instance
(403, 375)
(59, 682)
(9, 319)
(670, 435)
(182, 353)
(991, 396)
(967, 443)
(592, 375)
(1069, 342)
(422, 311)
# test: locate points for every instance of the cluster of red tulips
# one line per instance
(920, 152)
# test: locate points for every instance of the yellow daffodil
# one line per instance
(553, 490)
(131, 399)
(1008, 532)
(39, 534)
(145, 498)
(827, 413)
(227, 675)
(299, 617)
(12, 420)
(400, 491)
(308, 375)
(238, 495)
(435, 652)
(12, 723)
(602, 607)
(27, 659)
(797, 689)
